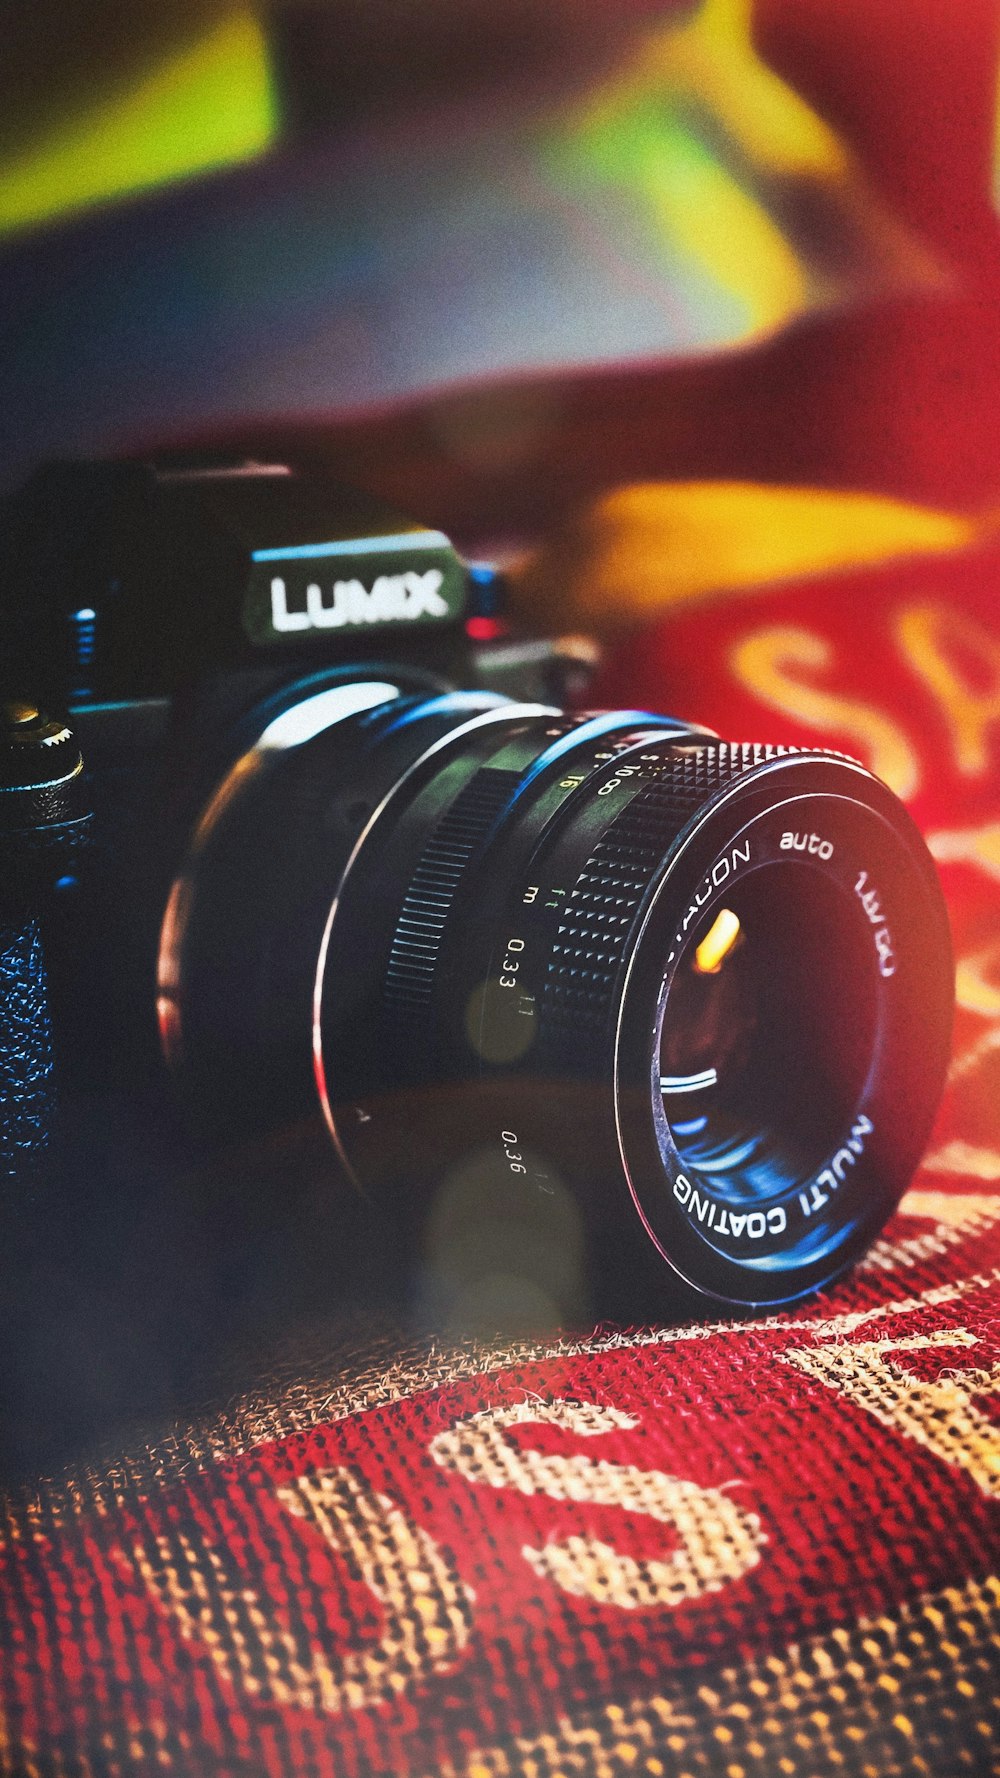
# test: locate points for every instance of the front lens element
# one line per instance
(766, 1043)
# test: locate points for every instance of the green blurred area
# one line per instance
(106, 98)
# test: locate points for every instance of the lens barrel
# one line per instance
(582, 981)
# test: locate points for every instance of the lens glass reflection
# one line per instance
(768, 1032)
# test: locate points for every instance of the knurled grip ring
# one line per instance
(592, 938)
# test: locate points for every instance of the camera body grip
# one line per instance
(43, 822)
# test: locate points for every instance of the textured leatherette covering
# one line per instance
(26, 1065)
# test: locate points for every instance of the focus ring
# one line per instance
(592, 937)
(416, 942)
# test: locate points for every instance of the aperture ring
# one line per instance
(592, 938)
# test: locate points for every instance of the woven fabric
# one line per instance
(761, 1547)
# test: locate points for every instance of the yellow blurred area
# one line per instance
(640, 549)
(205, 102)
(708, 216)
(713, 57)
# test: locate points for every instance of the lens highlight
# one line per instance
(719, 940)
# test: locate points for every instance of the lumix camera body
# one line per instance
(558, 986)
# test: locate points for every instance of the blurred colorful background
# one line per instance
(498, 254)
(657, 302)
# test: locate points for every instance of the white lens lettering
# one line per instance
(812, 843)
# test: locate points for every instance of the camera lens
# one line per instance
(600, 981)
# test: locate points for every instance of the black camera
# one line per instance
(557, 984)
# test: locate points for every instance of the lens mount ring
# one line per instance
(246, 907)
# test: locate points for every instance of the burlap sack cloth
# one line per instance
(732, 1548)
